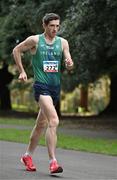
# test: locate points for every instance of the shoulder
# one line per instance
(64, 42)
(32, 39)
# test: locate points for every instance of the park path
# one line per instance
(77, 165)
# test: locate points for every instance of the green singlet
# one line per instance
(47, 61)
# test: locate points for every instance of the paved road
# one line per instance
(77, 165)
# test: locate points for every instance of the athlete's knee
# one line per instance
(54, 122)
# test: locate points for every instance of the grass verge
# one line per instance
(17, 121)
(103, 146)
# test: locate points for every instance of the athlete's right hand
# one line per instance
(23, 76)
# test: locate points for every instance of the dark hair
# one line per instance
(49, 17)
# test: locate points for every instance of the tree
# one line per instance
(93, 39)
(21, 19)
(89, 25)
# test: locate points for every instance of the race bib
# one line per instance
(50, 66)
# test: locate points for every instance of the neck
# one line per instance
(49, 39)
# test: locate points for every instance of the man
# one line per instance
(47, 50)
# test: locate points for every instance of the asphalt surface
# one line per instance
(77, 165)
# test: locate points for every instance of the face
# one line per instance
(52, 28)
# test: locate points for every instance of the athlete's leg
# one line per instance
(37, 131)
(48, 108)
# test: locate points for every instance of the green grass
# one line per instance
(88, 144)
(18, 121)
(64, 141)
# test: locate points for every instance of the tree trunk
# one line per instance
(5, 101)
(5, 79)
(84, 97)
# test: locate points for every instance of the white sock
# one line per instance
(27, 153)
(54, 159)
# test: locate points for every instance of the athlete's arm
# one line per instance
(26, 45)
(68, 60)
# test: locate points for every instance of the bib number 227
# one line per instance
(50, 66)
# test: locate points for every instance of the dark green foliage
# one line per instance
(22, 19)
(91, 27)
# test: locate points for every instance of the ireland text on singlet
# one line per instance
(47, 61)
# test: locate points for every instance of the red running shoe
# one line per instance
(27, 161)
(55, 168)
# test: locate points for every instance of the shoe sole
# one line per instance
(59, 170)
(22, 161)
